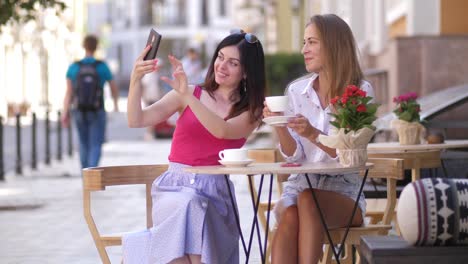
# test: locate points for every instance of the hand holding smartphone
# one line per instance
(154, 39)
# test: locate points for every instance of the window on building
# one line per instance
(146, 16)
(204, 14)
(169, 12)
(222, 8)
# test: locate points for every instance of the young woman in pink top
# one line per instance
(193, 218)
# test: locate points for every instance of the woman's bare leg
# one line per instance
(336, 209)
(284, 245)
(195, 259)
(182, 260)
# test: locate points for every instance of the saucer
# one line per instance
(236, 163)
(277, 120)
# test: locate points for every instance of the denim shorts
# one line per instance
(345, 184)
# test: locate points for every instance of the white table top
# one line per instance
(395, 146)
(275, 168)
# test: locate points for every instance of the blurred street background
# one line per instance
(405, 46)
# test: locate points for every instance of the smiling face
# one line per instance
(311, 49)
(228, 68)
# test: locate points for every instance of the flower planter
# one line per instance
(351, 147)
(409, 133)
(352, 157)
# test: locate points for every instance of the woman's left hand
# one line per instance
(179, 81)
(303, 128)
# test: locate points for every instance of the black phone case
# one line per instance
(154, 39)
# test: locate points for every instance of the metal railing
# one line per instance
(32, 130)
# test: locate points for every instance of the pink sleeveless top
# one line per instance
(193, 144)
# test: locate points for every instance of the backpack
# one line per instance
(88, 93)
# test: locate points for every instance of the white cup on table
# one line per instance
(233, 155)
(277, 103)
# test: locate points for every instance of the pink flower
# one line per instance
(407, 107)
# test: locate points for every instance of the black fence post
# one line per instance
(47, 138)
(19, 169)
(59, 135)
(70, 136)
(34, 142)
(2, 170)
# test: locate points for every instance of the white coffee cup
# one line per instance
(277, 103)
(233, 154)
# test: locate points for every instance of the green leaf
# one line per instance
(24, 11)
(335, 124)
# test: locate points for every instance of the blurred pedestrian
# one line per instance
(192, 66)
(84, 101)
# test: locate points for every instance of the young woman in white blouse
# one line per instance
(331, 59)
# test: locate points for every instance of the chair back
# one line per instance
(98, 178)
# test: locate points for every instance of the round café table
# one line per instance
(277, 168)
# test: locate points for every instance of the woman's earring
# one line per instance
(245, 85)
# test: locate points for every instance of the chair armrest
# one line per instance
(99, 178)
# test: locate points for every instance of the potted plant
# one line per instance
(408, 125)
(352, 126)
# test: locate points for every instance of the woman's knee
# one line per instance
(290, 218)
(305, 199)
(307, 205)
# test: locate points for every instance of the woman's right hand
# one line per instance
(142, 67)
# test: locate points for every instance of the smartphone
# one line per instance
(154, 39)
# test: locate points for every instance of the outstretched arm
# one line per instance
(137, 116)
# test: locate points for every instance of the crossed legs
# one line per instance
(300, 235)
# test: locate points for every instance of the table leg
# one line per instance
(255, 205)
(255, 225)
(354, 211)
(234, 208)
(443, 168)
(324, 224)
(267, 230)
(416, 170)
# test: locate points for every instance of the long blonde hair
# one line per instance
(338, 47)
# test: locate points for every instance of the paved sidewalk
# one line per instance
(42, 219)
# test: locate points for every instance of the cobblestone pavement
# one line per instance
(41, 213)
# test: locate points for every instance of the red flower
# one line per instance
(351, 89)
(334, 100)
(353, 110)
(344, 99)
(361, 108)
(361, 93)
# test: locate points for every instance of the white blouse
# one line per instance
(304, 100)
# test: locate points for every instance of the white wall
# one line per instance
(423, 17)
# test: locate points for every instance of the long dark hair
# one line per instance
(253, 65)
